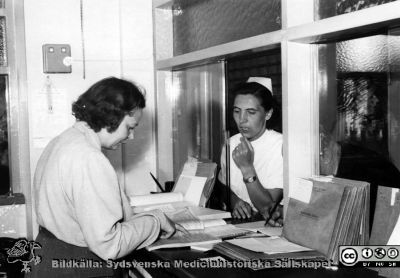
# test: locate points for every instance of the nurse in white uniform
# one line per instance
(256, 164)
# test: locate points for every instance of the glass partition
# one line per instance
(198, 115)
(198, 24)
(359, 108)
(3, 46)
(329, 8)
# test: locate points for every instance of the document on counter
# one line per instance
(225, 231)
(183, 240)
(258, 226)
(189, 221)
(268, 245)
(202, 247)
(209, 235)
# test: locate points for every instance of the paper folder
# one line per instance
(324, 213)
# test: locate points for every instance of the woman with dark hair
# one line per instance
(83, 213)
(256, 171)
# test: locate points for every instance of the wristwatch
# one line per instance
(250, 179)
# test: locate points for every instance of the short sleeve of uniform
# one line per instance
(274, 171)
(222, 172)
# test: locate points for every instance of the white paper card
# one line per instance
(302, 190)
(183, 184)
(195, 190)
(190, 167)
(393, 197)
(395, 236)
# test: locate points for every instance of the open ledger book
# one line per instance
(185, 205)
(199, 231)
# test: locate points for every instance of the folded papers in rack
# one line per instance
(325, 212)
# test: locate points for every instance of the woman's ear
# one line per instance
(269, 114)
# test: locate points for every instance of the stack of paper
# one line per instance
(325, 212)
(264, 244)
(268, 245)
(269, 250)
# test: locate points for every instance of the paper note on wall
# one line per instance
(51, 114)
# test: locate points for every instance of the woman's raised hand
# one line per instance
(243, 154)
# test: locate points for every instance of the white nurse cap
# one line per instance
(264, 81)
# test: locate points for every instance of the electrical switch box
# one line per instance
(56, 58)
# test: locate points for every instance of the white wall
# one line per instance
(138, 64)
(118, 42)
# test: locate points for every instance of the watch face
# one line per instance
(250, 179)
